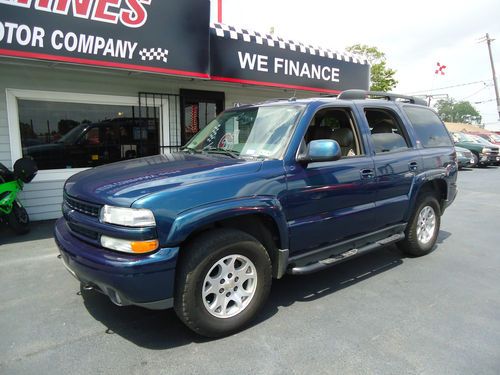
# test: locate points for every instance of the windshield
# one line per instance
(72, 136)
(248, 132)
(494, 137)
(481, 140)
(462, 137)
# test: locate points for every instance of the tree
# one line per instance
(453, 111)
(381, 77)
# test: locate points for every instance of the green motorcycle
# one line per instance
(12, 211)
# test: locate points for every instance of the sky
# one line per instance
(413, 35)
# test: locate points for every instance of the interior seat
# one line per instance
(345, 139)
(320, 132)
(382, 126)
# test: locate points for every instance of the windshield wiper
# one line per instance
(223, 151)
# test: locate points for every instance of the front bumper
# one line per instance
(143, 280)
(464, 162)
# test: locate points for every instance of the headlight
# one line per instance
(129, 217)
(460, 154)
(485, 150)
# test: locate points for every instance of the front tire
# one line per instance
(223, 280)
(18, 219)
(423, 227)
(476, 160)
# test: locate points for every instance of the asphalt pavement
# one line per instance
(382, 313)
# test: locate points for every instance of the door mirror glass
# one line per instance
(321, 150)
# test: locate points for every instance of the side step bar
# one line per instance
(328, 262)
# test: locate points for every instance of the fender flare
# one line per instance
(189, 221)
(418, 182)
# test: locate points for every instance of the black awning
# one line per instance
(248, 57)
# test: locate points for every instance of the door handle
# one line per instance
(413, 166)
(366, 173)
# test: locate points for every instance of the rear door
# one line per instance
(329, 202)
(437, 148)
(397, 161)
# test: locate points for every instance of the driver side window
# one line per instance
(336, 124)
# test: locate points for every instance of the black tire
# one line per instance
(198, 258)
(18, 219)
(412, 245)
(476, 160)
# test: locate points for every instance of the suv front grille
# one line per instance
(82, 206)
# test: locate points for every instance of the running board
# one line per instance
(328, 262)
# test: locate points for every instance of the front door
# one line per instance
(198, 109)
(329, 202)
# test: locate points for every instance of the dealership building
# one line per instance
(88, 83)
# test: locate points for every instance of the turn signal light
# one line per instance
(144, 246)
(126, 246)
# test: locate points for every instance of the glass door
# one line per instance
(198, 109)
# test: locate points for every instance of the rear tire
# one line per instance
(223, 280)
(423, 227)
(18, 219)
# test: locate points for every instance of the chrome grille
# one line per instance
(82, 206)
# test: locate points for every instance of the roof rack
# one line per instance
(363, 94)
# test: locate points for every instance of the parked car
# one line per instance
(483, 156)
(490, 137)
(286, 186)
(465, 158)
(91, 145)
(495, 160)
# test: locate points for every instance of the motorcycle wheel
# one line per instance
(18, 219)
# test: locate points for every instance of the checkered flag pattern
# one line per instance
(154, 54)
(225, 31)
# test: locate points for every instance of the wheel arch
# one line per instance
(261, 218)
(436, 185)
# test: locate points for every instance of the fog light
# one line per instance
(126, 246)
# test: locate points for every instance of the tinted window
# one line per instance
(386, 131)
(429, 128)
(75, 135)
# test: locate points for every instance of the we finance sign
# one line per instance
(253, 58)
(161, 36)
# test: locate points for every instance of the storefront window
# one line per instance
(79, 135)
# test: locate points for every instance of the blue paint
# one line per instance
(313, 204)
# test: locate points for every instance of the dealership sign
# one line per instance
(170, 37)
(243, 56)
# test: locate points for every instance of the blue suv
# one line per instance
(286, 186)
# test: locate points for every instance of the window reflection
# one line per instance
(76, 135)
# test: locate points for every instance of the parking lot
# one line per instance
(382, 313)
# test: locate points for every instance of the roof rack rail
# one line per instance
(363, 94)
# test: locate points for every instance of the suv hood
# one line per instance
(124, 182)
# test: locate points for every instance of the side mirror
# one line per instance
(321, 150)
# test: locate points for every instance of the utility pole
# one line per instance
(495, 84)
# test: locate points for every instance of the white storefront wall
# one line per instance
(20, 79)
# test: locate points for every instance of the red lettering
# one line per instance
(81, 8)
(101, 12)
(43, 5)
(136, 16)
(61, 7)
(23, 3)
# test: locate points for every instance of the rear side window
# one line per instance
(386, 131)
(429, 128)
